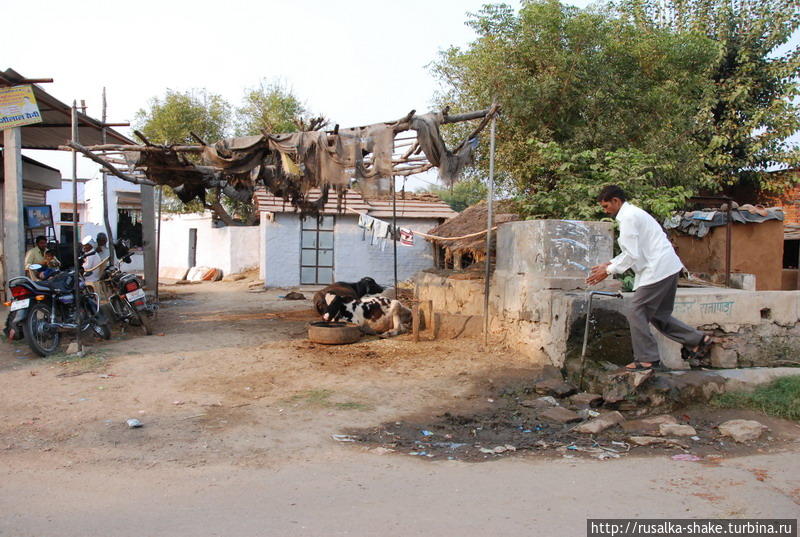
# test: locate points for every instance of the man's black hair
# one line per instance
(610, 192)
(40, 238)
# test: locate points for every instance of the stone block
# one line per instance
(554, 387)
(723, 358)
(673, 429)
(742, 430)
(649, 425)
(586, 400)
(600, 423)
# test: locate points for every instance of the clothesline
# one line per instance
(434, 237)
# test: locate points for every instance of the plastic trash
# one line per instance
(133, 423)
(688, 457)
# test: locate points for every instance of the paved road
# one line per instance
(350, 492)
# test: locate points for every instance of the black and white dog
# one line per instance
(364, 286)
(373, 314)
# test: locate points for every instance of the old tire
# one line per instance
(329, 333)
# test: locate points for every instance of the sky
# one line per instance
(356, 62)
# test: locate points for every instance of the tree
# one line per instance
(172, 119)
(595, 95)
(270, 107)
(751, 109)
(461, 195)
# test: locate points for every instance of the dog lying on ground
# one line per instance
(373, 314)
(365, 286)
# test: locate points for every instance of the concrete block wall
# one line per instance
(354, 255)
(456, 297)
(281, 253)
(355, 258)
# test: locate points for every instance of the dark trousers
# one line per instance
(652, 304)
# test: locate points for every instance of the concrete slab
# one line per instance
(749, 379)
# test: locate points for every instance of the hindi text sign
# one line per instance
(18, 107)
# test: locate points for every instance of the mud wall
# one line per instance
(755, 249)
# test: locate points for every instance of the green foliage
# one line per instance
(598, 95)
(780, 398)
(171, 119)
(750, 106)
(569, 182)
(461, 195)
(270, 107)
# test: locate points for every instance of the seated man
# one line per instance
(35, 256)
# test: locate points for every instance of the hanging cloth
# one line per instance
(406, 237)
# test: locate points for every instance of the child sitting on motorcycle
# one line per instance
(50, 266)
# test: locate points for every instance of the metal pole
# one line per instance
(158, 236)
(728, 241)
(109, 235)
(489, 219)
(394, 234)
(75, 234)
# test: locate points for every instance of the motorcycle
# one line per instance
(127, 300)
(42, 309)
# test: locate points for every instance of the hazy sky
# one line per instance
(357, 62)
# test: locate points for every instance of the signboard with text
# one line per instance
(18, 107)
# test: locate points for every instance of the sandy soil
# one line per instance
(238, 411)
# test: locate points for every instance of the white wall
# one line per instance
(282, 250)
(56, 197)
(94, 199)
(231, 248)
(354, 258)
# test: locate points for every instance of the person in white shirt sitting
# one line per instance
(645, 249)
(93, 264)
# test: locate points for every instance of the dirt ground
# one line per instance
(239, 413)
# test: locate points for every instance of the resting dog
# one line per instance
(365, 286)
(373, 314)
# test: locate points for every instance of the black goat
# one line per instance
(364, 286)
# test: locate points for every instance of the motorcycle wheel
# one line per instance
(42, 342)
(145, 323)
(102, 331)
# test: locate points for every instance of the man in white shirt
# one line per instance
(646, 249)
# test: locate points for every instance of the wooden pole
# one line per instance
(489, 216)
(75, 232)
(109, 235)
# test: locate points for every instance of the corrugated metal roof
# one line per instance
(429, 206)
(55, 129)
(791, 232)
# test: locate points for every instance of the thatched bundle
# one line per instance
(471, 220)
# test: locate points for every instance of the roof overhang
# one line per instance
(55, 129)
(36, 175)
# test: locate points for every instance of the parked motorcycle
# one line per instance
(43, 309)
(127, 300)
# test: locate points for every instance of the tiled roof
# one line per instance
(413, 206)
